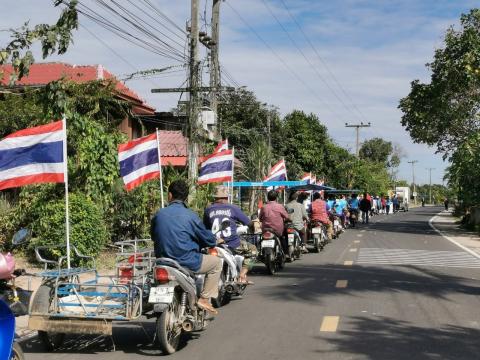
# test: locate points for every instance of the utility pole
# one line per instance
(193, 127)
(413, 162)
(215, 81)
(357, 128)
(430, 187)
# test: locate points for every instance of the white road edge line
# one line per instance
(430, 222)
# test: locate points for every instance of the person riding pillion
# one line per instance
(319, 212)
(273, 217)
(179, 234)
(297, 217)
(221, 211)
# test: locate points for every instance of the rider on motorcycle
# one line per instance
(179, 234)
(297, 217)
(319, 212)
(221, 211)
(353, 204)
(273, 216)
(340, 206)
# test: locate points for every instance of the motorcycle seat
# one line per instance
(176, 265)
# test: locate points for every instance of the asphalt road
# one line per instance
(409, 294)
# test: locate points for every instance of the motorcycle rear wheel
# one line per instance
(169, 335)
(270, 263)
(316, 244)
(17, 352)
(224, 296)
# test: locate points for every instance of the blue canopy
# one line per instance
(266, 183)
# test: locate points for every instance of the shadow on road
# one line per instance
(382, 338)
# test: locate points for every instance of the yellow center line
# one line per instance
(348, 263)
(341, 284)
(329, 323)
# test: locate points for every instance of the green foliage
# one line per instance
(445, 111)
(87, 229)
(371, 177)
(376, 150)
(52, 38)
(255, 160)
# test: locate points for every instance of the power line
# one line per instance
(322, 60)
(284, 63)
(306, 58)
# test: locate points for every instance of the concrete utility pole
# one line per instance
(193, 126)
(430, 187)
(357, 128)
(215, 81)
(413, 162)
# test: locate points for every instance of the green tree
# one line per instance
(376, 150)
(444, 112)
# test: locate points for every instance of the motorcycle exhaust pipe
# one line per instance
(187, 325)
(230, 289)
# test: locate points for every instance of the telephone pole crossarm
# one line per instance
(357, 129)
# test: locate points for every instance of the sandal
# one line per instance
(207, 307)
(245, 281)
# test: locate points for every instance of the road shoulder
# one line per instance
(448, 226)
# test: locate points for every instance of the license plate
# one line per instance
(336, 223)
(317, 230)
(268, 243)
(161, 294)
(291, 237)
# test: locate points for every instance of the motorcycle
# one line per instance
(229, 283)
(174, 295)
(13, 300)
(294, 242)
(319, 235)
(271, 252)
(337, 226)
(353, 217)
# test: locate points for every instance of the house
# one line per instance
(145, 119)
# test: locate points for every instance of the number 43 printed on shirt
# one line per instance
(217, 226)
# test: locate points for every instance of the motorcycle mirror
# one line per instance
(225, 224)
(21, 236)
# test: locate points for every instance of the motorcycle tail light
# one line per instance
(126, 274)
(135, 258)
(267, 235)
(162, 276)
(291, 231)
(213, 251)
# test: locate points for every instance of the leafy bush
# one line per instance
(87, 229)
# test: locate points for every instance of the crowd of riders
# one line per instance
(179, 233)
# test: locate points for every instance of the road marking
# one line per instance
(380, 256)
(353, 250)
(362, 230)
(341, 284)
(329, 324)
(430, 222)
(348, 263)
(356, 241)
(359, 235)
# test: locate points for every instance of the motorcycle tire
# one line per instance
(224, 296)
(316, 245)
(291, 251)
(17, 352)
(270, 263)
(41, 304)
(168, 338)
(281, 261)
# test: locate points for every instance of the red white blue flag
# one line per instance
(139, 161)
(222, 146)
(307, 177)
(218, 167)
(34, 155)
(278, 172)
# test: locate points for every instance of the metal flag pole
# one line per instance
(65, 177)
(233, 172)
(284, 188)
(160, 167)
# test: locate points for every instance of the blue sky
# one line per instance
(373, 48)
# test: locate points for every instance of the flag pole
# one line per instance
(160, 168)
(233, 172)
(284, 188)
(65, 177)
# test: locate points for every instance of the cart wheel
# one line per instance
(17, 352)
(41, 304)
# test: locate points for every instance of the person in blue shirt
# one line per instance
(179, 234)
(340, 206)
(221, 211)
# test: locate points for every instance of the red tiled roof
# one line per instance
(43, 73)
(172, 143)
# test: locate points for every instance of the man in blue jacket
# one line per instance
(179, 234)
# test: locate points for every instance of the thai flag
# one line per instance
(222, 146)
(278, 172)
(139, 161)
(33, 156)
(307, 177)
(218, 167)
